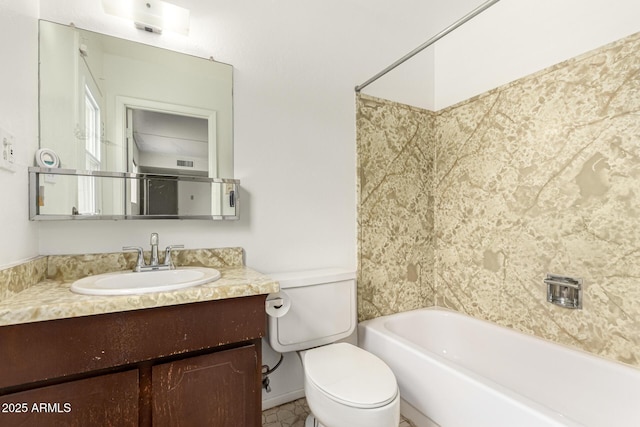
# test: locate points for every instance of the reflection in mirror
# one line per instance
(96, 89)
(81, 195)
(168, 143)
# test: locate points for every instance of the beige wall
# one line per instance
(469, 207)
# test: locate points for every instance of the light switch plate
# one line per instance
(7, 151)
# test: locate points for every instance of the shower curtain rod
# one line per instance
(429, 42)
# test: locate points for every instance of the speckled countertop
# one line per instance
(40, 290)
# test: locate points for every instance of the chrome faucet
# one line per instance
(154, 264)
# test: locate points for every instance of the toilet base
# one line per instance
(312, 422)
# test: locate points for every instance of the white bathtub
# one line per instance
(458, 371)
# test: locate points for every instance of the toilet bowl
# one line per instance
(345, 386)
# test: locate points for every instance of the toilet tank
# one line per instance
(322, 309)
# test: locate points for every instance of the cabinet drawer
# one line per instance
(41, 351)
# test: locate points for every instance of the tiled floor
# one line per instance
(293, 415)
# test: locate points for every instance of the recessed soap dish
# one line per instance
(564, 291)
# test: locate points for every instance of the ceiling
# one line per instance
(170, 134)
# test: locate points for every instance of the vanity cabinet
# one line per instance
(208, 390)
(105, 400)
(182, 365)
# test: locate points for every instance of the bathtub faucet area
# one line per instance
(154, 263)
(564, 291)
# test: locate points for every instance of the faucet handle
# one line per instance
(140, 261)
(167, 255)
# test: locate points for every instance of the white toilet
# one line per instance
(345, 386)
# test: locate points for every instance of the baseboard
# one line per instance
(416, 417)
(282, 399)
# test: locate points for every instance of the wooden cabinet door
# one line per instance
(218, 390)
(106, 400)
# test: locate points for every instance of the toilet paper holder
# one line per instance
(564, 291)
(278, 304)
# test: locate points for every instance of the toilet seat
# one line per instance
(350, 376)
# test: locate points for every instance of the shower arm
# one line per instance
(429, 42)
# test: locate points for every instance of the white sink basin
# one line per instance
(131, 283)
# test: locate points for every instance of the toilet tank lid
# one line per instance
(294, 279)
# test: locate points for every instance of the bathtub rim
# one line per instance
(376, 329)
(448, 311)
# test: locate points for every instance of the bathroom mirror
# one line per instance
(114, 105)
(84, 195)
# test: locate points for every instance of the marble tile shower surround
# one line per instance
(540, 175)
(395, 208)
